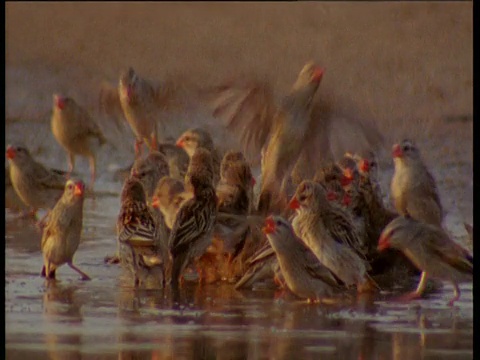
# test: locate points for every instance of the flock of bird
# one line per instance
(189, 212)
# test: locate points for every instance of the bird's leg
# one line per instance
(41, 223)
(71, 164)
(43, 273)
(456, 291)
(32, 213)
(84, 276)
(154, 142)
(138, 148)
(419, 291)
(92, 162)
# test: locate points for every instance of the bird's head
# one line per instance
(304, 195)
(17, 153)
(405, 149)
(60, 102)
(74, 189)
(192, 139)
(396, 233)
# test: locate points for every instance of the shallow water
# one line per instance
(106, 318)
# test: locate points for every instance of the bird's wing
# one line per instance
(247, 109)
(343, 231)
(191, 222)
(425, 207)
(136, 226)
(51, 179)
(448, 251)
(317, 270)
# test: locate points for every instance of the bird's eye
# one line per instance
(278, 222)
(70, 187)
(406, 148)
(302, 198)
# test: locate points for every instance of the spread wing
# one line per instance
(247, 109)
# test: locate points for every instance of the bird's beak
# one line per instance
(294, 204)
(346, 200)
(10, 152)
(332, 196)
(79, 189)
(180, 143)
(253, 181)
(364, 165)
(155, 202)
(59, 101)
(317, 74)
(383, 243)
(269, 226)
(347, 177)
(397, 151)
(129, 92)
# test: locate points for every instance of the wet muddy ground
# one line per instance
(410, 65)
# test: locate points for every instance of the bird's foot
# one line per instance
(451, 302)
(86, 278)
(111, 259)
(409, 296)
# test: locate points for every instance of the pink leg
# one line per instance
(138, 148)
(457, 295)
(418, 292)
(84, 276)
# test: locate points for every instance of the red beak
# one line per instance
(155, 202)
(253, 181)
(397, 151)
(332, 196)
(269, 226)
(10, 152)
(59, 101)
(383, 243)
(317, 74)
(294, 204)
(180, 143)
(364, 165)
(79, 189)
(129, 92)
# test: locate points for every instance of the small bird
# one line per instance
(139, 101)
(191, 233)
(37, 186)
(330, 176)
(76, 132)
(168, 197)
(149, 171)
(431, 250)
(413, 189)
(331, 235)
(195, 138)
(177, 160)
(304, 275)
(63, 230)
(138, 232)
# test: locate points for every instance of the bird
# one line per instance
(149, 170)
(331, 235)
(195, 138)
(191, 232)
(292, 134)
(63, 230)
(304, 274)
(138, 232)
(432, 251)
(37, 186)
(138, 99)
(177, 159)
(413, 188)
(168, 196)
(76, 132)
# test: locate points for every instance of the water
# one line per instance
(106, 318)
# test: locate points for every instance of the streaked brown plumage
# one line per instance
(330, 233)
(63, 230)
(195, 138)
(433, 252)
(37, 186)
(169, 195)
(413, 188)
(76, 132)
(137, 231)
(149, 171)
(192, 231)
(304, 274)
